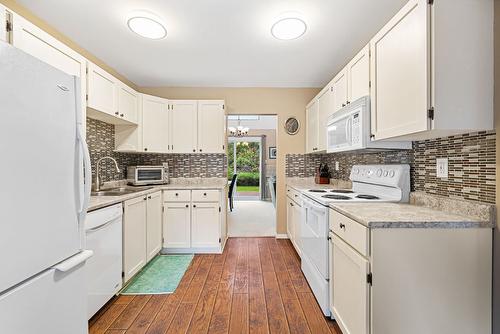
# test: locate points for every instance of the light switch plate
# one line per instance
(337, 165)
(442, 167)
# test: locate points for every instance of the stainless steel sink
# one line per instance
(118, 191)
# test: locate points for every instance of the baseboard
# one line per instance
(282, 236)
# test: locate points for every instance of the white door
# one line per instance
(153, 226)
(351, 290)
(183, 125)
(53, 302)
(205, 225)
(400, 70)
(155, 125)
(312, 121)
(339, 94)
(211, 126)
(358, 75)
(128, 103)
(102, 90)
(31, 39)
(134, 236)
(177, 225)
(324, 110)
(38, 134)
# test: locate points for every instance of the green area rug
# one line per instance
(161, 275)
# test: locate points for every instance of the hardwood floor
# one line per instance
(255, 286)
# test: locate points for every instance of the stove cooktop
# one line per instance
(371, 197)
(342, 191)
(337, 197)
(317, 190)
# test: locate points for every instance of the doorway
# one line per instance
(252, 158)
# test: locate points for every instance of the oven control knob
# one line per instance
(386, 173)
(370, 172)
(379, 172)
(391, 173)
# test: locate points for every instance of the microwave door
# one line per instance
(339, 134)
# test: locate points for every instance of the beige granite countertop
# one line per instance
(97, 202)
(402, 215)
(304, 183)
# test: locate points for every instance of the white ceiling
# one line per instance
(221, 43)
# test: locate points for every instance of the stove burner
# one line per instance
(340, 197)
(342, 191)
(317, 191)
(367, 197)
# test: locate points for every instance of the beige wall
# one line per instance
(24, 12)
(283, 102)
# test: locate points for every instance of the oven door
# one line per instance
(339, 134)
(314, 235)
(149, 175)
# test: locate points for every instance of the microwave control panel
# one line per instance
(355, 128)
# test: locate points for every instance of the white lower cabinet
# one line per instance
(177, 225)
(193, 221)
(294, 218)
(141, 232)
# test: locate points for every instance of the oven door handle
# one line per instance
(310, 205)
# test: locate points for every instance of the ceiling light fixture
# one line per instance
(146, 25)
(288, 28)
(238, 131)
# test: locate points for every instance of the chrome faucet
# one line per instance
(98, 182)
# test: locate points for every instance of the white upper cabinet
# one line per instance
(432, 75)
(128, 103)
(3, 24)
(312, 124)
(324, 110)
(155, 124)
(33, 40)
(339, 90)
(401, 73)
(358, 75)
(183, 120)
(211, 126)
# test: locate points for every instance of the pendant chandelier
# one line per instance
(239, 131)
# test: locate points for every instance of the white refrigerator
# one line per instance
(45, 182)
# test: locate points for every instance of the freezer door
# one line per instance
(40, 191)
(53, 302)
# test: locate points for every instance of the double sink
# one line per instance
(119, 191)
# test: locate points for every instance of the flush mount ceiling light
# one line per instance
(146, 25)
(288, 28)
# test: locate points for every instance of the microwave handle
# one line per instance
(348, 130)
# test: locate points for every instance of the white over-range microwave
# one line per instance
(349, 129)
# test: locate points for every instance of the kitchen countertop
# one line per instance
(403, 215)
(305, 183)
(97, 202)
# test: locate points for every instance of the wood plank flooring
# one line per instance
(255, 286)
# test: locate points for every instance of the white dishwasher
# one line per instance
(103, 233)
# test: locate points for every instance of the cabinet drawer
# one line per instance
(206, 195)
(293, 195)
(177, 195)
(352, 232)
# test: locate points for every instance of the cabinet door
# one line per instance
(400, 73)
(358, 75)
(183, 125)
(297, 222)
(312, 120)
(3, 24)
(31, 39)
(177, 225)
(339, 94)
(153, 225)
(134, 236)
(155, 125)
(102, 90)
(128, 103)
(323, 112)
(289, 220)
(211, 126)
(350, 288)
(205, 222)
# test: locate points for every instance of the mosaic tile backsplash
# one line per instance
(100, 140)
(471, 165)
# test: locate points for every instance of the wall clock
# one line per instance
(292, 126)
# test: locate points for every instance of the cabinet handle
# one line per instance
(348, 102)
(201, 150)
(149, 197)
(121, 115)
(194, 150)
(145, 148)
(342, 226)
(117, 113)
(291, 204)
(144, 198)
(343, 104)
(194, 205)
(204, 194)
(176, 194)
(187, 205)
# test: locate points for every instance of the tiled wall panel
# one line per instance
(100, 139)
(471, 165)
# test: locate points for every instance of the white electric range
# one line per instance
(370, 183)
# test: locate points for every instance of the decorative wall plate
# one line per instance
(292, 126)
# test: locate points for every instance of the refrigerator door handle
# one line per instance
(87, 182)
(73, 261)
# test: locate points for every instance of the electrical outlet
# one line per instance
(442, 167)
(337, 165)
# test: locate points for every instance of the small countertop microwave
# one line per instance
(349, 129)
(146, 175)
